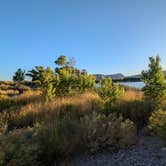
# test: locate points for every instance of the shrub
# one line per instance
(21, 120)
(59, 139)
(19, 148)
(136, 111)
(158, 123)
(107, 133)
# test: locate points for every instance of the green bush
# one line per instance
(19, 148)
(59, 138)
(158, 123)
(137, 111)
(56, 139)
(107, 132)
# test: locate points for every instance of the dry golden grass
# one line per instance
(9, 92)
(131, 95)
(34, 112)
(18, 101)
(83, 103)
(33, 108)
(54, 137)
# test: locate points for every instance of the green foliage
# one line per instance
(154, 79)
(49, 83)
(107, 132)
(71, 81)
(137, 111)
(19, 75)
(86, 82)
(59, 138)
(109, 93)
(158, 123)
(61, 61)
(19, 148)
(21, 120)
(35, 73)
(67, 81)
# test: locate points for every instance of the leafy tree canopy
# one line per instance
(61, 61)
(19, 75)
(35, 73)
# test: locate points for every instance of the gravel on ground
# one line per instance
(151, 152)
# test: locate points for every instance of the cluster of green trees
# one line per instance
(68, 80)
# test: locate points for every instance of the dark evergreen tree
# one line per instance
(19, 75)
(154, 79)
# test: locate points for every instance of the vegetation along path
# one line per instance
(151, 152)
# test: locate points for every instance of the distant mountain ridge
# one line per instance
(117, 76)
(121, 77)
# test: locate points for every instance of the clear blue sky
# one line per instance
(104, 36)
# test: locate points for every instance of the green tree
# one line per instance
(61, 61)
(154, 79)
(71, 79)
(86, 82)
(108, 93)
(67, 81)
(35, 73)
(19, 75)
(49, 83)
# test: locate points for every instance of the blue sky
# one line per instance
(104, 36)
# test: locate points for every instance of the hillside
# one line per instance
(121, 77)
(117, 76)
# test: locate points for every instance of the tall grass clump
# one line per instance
(32, 113)
(29, 97)
(59, 139)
